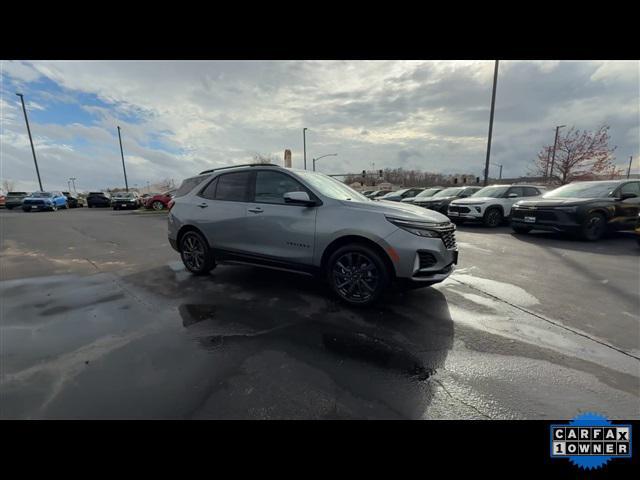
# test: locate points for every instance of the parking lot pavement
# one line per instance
(100, 320)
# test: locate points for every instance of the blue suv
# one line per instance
(44, 201)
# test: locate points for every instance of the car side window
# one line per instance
(531, 192)
(233, 187)
(517, 190)
(631, 187)
(209, 192)
(271, 187)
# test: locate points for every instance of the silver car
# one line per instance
(307, 222)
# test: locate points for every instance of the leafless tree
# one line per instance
(8, 185)
(580, 155)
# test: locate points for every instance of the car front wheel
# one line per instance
(493, 217)
(357, 274)
(594, 227)
(157, 205)
(196, 254)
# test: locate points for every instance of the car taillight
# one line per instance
(170, 204)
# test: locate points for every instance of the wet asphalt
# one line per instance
(100, 320)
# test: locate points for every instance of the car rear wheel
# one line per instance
(520, 229)
(196, 254)
(493, 217)
(357, 274)
(593, 227)
(157, 205)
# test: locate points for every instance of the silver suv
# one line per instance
(307, 222)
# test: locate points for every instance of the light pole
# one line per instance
(629, 169)
(493, 105)
(69, 186)
(553, 155)
(73, 181)
(126, 185)
(304, 146)
(33, 150)
(316, 159)
(498, 165)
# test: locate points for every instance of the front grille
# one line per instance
(547, 215)
(34, 202)
(427, 259)
(448, 236)
(455, 208)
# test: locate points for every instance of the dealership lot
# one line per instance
(100, 320)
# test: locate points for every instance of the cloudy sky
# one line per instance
(178, 118)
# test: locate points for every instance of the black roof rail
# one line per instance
(241, 165)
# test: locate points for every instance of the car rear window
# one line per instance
(189, 184)
(17, 193)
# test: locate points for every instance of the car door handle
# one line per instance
(203, 205)
(256, 210)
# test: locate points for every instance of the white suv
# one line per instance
(491, 205)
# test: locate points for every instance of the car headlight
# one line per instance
(421, 229)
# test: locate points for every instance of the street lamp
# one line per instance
(304, 145)
(316, 159)
(498, 165)
(126, 185)
(553, 155)
(33, 150)
(493, 107)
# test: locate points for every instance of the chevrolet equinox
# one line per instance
(307, 222)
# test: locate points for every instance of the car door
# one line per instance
(509, 199)
(219, 211)
(275, 229)
(627, 209)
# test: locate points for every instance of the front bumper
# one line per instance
(412, 251)
(546, 219)
(125, 205)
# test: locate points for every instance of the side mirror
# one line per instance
(512, 195)
(298, 198)
(624, 196)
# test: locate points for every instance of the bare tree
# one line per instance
(264, 158)
(580, 155)
(8, 185)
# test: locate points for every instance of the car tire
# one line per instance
(26, 209)
(157, 205)
(196, 255)
(594, 227)
(521, 230)
(492, 218)
(357, 274)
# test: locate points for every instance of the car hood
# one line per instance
(561, 202)
(434, 200)
(468, 201)
(405, 211)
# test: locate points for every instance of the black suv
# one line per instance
(585, 208)
(98, 199)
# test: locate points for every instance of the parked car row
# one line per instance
(587, 209)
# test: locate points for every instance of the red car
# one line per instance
(159, 201)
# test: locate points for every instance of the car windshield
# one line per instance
(429, 192)
(96, 193)
(493, 192)
(42, 194)
(331, 187)
(448, 192)
(124, 195)
(17, 193)
(583, 190)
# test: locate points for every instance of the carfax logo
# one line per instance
(590, 441)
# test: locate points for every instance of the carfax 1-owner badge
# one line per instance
(590, 441)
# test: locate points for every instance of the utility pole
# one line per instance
(493, 105)
(33, 150)
(126, 185)
(629, 169)
(553, 156)
(304, 146)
